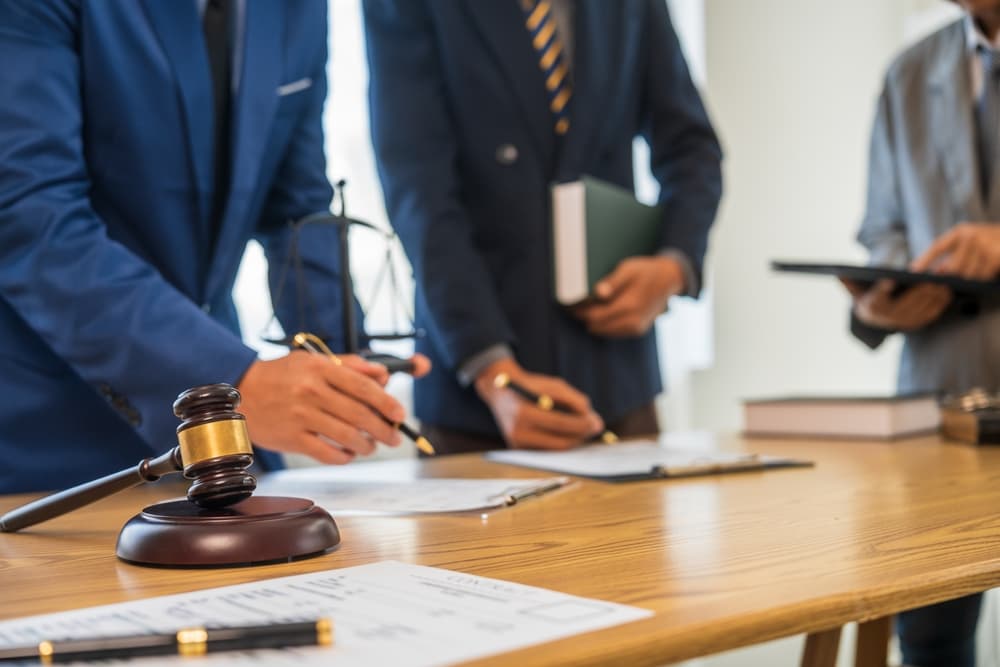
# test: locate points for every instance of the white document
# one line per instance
(638, 459)
(386, 613)
(342, 494)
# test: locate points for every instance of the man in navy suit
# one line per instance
(477, 107)
(142, 144)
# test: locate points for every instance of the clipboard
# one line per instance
(638, 460)
(384, 495)
(869, 275)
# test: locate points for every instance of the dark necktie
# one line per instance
(216, 26)
(544, 37)
(988, 119)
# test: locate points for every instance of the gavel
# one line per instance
(219, 523)
(214, 452)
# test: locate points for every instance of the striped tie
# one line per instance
(545, 39)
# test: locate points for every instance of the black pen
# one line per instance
(186, 642)
(315, 345)
(543, 401)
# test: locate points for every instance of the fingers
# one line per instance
(421, 365)
(364, 390)
(565, 396)
(376, 372)
(613, 283)
(346, 406)
(919, 305)
(324, 450)
(941, 247)
(574, 427)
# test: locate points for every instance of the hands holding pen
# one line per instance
(534, 424)
(330, 408)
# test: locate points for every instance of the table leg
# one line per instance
(873, 643)
(821, 649)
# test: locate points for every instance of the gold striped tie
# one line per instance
(552, 60)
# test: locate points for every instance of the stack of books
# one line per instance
(871, 417)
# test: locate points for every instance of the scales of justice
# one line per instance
(220, 522)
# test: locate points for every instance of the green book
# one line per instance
(595, 225)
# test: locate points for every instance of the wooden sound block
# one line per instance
(255, 531)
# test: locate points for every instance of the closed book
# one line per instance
(878, 417)
(979, 427)
(595, 225)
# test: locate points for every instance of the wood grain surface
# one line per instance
(724, 561)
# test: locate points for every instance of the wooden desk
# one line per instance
(727, 561)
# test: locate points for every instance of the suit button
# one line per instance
(507, 154)
(206, 307)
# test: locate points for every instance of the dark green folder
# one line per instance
(595, 225)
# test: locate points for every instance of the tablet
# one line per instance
(868, 275)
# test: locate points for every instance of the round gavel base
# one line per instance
(255, 531)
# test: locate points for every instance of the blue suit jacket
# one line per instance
(112, 298)
(466, 150)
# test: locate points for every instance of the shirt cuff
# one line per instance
(477, 363)
(691, 285)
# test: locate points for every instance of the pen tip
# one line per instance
(424, 445)
(609, 438)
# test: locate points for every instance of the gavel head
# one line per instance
(214, 444)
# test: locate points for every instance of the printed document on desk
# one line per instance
(386, 613)
(631, 460)
(350, 495)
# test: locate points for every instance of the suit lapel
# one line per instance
(952, 126)
(501, 24)
(599, 55)
(179, 31)
(253, 114)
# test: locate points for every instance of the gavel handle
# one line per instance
(57, 504)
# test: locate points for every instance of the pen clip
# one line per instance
(513, 495)
(313, 343)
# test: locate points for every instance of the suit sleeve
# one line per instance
(417, 155)
(883, 231)
(305, 293)
(110, 315)
(685, 155)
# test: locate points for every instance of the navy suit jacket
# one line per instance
(113, 296)
(466, 150)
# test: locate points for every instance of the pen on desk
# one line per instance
(186, 642)
(543, 401)
(315, 345)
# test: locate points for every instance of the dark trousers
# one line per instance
(637, 423)
(941, 635)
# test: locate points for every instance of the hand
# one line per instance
(627, 301)
(524, 424)
(310, 405)
(970, 250)
(915, 308)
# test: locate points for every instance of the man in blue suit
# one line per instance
(142, 144)
(477, 107)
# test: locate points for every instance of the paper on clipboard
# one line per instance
(341, 495)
